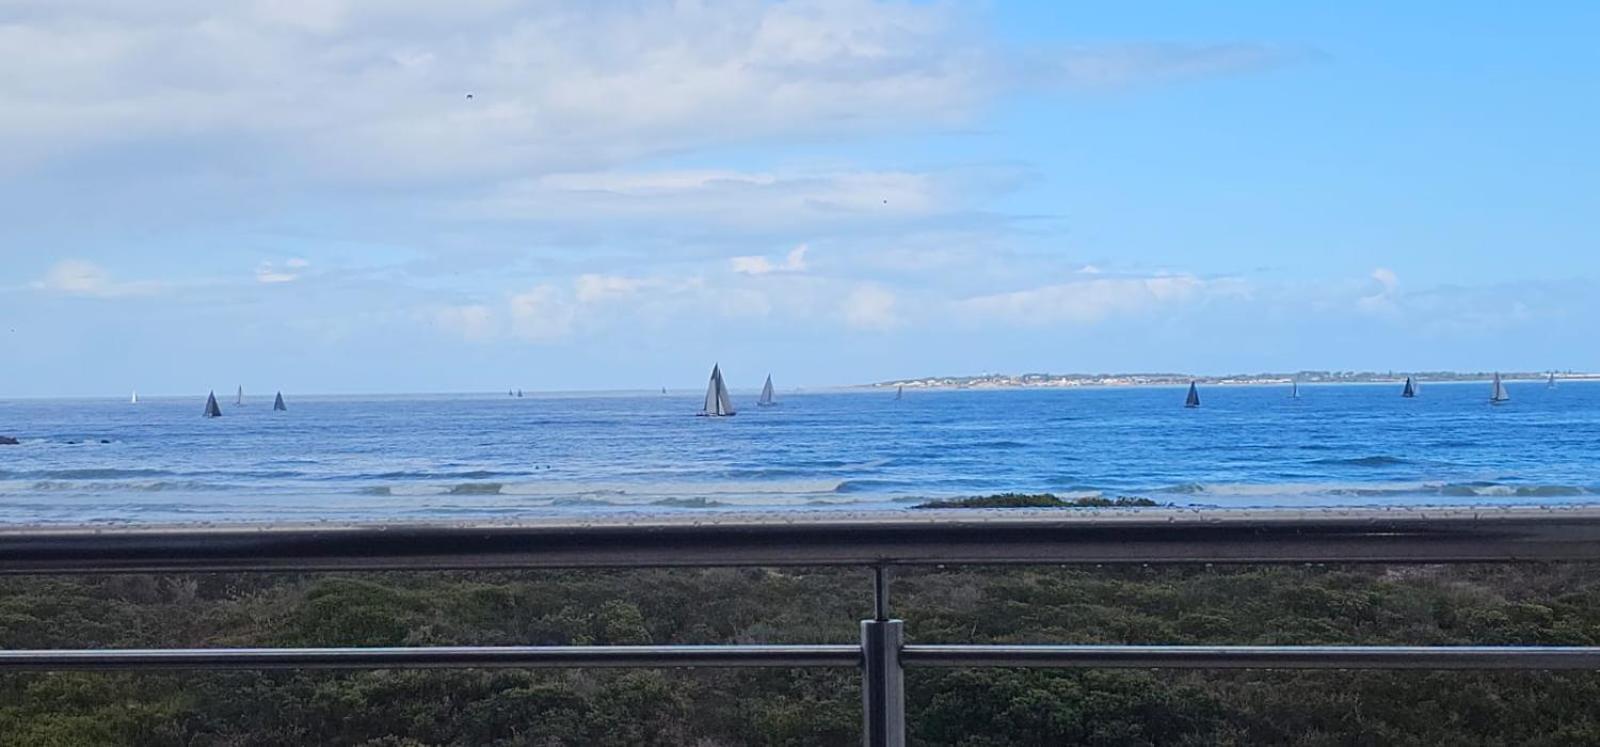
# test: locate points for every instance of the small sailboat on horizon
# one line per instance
(277, 404)
(1499, 395)
(134, 400)
(238, 399)
(1294, 389)
(1193, 400)
(899, 392)
(1551, 384)
(717, 402)
(212, 409)
(766, 394)
(1410, 390)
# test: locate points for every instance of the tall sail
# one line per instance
(1294, 389)
(717, 402)
(1193, 400)
(1410, 390)
(766, 393)
(239, 400)
(277, 404)
(899, 392)
(1499, 390)
(134, 400)
(212, 410)
(1552, 383)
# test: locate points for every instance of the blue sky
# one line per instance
(301, 195)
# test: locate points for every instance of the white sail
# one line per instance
(766, 392)
(134, 400)
(1499, 391)
(717, 402)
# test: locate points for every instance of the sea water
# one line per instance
(473, 457)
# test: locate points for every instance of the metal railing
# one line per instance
(879, 541)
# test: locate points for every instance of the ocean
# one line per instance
(494, 457)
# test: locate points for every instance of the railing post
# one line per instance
(883, 688)
(883, 691)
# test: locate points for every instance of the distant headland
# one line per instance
(1052, 380)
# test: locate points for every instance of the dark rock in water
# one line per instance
(73, 443)
(8, 441)
(105, 440)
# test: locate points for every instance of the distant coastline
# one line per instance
(1074, 380)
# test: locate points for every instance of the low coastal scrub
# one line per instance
(1358, 604)
(1038, 500)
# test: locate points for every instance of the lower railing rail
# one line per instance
(879, 542)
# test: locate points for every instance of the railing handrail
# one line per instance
(824, 539)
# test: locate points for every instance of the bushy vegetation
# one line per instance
(1038, 500)
(1531, 604)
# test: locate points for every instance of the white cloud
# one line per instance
(378, 88)
(268, 273)
(724, 201)
(1137, 64)
(871, 307)
(542, 314)
(1382, 301)
(596, 288)
(475, 322)
(794, 261)
(374, 88)
(80, 277)
(1091, 300)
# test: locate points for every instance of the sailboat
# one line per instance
(519, 392)
(1410, 390)
(239, 399)
(277, 404)
(134, 400)
(717, 402)
(212, 410)
(1294, 389)
(1499, 394)
(1551, 384)
(1193, 400)
(899, 392)
(766, 394)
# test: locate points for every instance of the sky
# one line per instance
(338, 196)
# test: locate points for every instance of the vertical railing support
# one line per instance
(883, 691)
(883, 687)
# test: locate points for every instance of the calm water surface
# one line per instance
(491, 456)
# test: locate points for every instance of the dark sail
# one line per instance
(899, 392)
(1193, 400)
(277, 404)
(212, 410)
(1410, 390)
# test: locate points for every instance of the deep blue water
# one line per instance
(491, 456)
